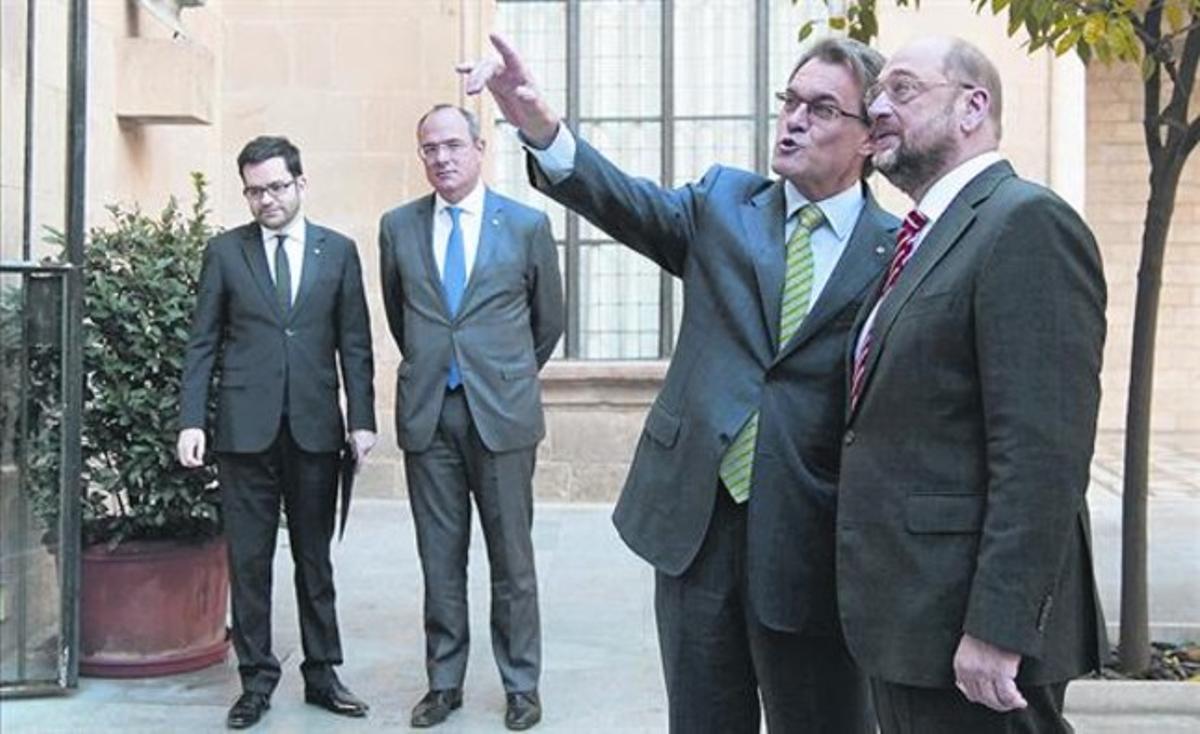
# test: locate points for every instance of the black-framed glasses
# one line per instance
(822, 110)
(453, 148)
(902, 88)
(275, 189)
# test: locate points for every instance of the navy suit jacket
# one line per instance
(270, 359)
(510, 318)
(724, 237)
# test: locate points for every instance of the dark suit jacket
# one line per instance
(724, 237)
(966, 460)
(269, 358)
(507, 325)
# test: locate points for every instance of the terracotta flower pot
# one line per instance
(153, 608)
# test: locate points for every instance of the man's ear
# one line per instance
(867, 146)
(978, 105)
(301, 183)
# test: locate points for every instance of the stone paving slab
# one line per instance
(1174, 465)
(601, 671)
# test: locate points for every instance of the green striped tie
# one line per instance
(738, 463)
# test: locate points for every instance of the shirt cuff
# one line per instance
(556, 160)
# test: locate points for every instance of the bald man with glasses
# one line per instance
(964, 563)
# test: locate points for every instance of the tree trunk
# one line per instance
(1165, 172)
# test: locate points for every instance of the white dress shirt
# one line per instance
(293, 246)
(933, 205)
(828, 241)
(470, 220)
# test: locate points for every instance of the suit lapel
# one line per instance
(866, 255)
(489, 236)
(314, 260)
(763, 217)
(946, 233)
(421, 232)
(260, 273)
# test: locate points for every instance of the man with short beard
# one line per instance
(963, 563)
(279, 307)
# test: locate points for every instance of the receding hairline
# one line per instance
(964, 62)
(468, 116)
(863, 62)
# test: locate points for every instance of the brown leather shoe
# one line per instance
(523, 711)
(435, 707)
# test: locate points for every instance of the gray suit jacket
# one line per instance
(724, 237)
(966, 460)
(508, 323)
(269, 358)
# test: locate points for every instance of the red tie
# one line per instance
(905, 244)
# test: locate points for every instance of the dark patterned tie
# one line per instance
(283, 274)
(905, 244)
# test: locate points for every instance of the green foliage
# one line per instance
(140, 285)
(1108, 30)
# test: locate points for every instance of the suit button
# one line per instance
(848, 438)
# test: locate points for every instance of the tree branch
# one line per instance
(1174, 115)
(1193, 136)
(1152, 85)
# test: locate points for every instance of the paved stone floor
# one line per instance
(601, 671)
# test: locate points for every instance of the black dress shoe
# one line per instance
(435, 707)
(338, 699)
(524, 710)
(247, 710)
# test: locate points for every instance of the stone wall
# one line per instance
(1117, 189)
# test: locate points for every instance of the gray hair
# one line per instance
(472, 120)
(966, 63)
(862, 61)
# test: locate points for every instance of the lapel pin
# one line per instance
(879, 250)
(496, 222)
(316, 250)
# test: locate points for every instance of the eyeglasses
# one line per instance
(822, 110)
(453, 148)
(902, 89)
(275, 189)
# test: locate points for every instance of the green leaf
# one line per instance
(1095, 28)
(1149, 66)
(1175, 16)
(1016, 15)
(837, 23)
(806, 30)
(1067, 42)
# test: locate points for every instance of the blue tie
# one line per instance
(454, 282)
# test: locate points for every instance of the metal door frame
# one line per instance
(71, 275)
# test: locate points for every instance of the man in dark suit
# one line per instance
(731, 491)
(280, 303)
(474, 299)
(963, 555)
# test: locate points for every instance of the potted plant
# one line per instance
(154, 587)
